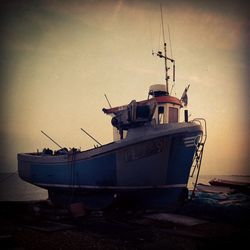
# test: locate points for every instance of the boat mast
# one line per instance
(166, 58)
(165, 53)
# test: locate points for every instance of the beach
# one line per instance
(209, 221)
(25, 226)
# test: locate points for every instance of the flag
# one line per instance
(184, 97)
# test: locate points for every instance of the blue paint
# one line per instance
(50, 173)
(168, 165)
(180, 161)
(97, 171)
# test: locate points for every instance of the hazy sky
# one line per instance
(58, 58)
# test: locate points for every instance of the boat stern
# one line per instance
(24, 167)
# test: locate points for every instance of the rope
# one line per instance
(72, 165)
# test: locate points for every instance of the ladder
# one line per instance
(197, 159)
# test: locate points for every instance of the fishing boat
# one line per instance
(147, 164)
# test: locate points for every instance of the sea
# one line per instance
(12, 188)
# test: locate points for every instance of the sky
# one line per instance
(59, 58)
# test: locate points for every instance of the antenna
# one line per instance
(171, 51)
(170, 44)
(162, 26)
(160, 54)
(165, 52)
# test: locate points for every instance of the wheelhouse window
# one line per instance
(173, 115)
(160, 114)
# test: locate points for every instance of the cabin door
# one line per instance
(173, 115)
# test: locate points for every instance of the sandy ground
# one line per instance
(39, 225)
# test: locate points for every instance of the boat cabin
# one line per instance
(161, 108)
(168, 107)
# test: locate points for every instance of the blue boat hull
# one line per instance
(150, 173)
